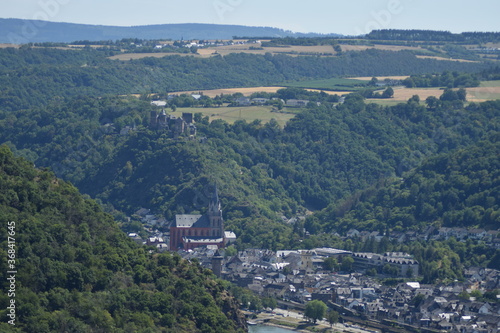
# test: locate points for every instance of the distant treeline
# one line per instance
(446, 79)
(492, 73)
(433, 35)
(14, 31)
(32, 76)
(452, 79)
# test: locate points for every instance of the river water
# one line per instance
(267, 329)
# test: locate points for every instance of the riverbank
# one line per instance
(295, 322)
(268, 329)
(291, 321)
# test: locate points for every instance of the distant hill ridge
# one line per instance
(18, 31)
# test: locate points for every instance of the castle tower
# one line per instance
(306, 260)
(217, 264)
(153, 118)
(162, 120)
(188, 117)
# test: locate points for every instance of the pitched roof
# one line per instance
(191, 221)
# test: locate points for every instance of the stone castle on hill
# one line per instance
(191, 231)
(175, 125)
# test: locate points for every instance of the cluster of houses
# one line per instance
(438, 307)
(209, 43)
(294, 103)
(299, 276)
(246, 101)
(200, 43)
(490, 237)
(486, 49)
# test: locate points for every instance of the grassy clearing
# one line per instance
(333, 84)
(489, 91)
(384, 101)
(247, 113)
(381, 78)
(495, 83)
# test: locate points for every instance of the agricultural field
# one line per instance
(255, 48)
(248, 113)
(444, 59)
(379, 47)
(229, 91)
(384, 101)
(402, 95)
(381, 78)
(3, 46)
(488, 90)
(135, 56)
(333, 84)
(298, 49)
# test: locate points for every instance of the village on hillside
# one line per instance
(349, 282)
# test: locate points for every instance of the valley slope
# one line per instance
(78, 271)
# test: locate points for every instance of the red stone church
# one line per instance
(191, 231)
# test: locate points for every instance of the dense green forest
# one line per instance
(456, 189)
(323, 156)
(64, 110)
(446, 79)
(71, 137)
(33, 76)
(433, 35)
(77, 272)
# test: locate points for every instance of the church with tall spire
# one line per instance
(189, 231)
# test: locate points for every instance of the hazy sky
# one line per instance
(349, 17)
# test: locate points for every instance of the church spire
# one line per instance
(214, 206)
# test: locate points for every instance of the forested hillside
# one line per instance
(78, 272)
(33, 76)
(341, 165)
(457, 189)
(433, 35)
(323, 156)
(68, 32)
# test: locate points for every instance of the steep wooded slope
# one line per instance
(77, 271)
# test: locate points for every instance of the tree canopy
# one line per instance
(315, 310)
(77, 271)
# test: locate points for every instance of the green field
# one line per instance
(333, 84)
(248, 113)
(495, 83)
(383, 102)
(487, 90)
